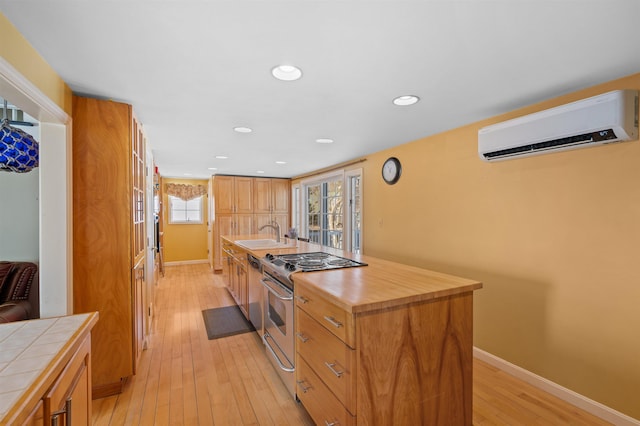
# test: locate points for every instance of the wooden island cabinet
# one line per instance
(381, 344)
(109, 240)
(384, 344)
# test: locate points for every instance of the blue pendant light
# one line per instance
(18, 149)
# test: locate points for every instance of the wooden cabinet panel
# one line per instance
(262, 195)
(426, 348)
(320, 402)
(68, 399)
(138, 311)
(334, 319)
(36, 417)
(332, 360)
(244, 195)
(243, 224)
(108, 231)
(224, 194)
(281, 195)
(410, 364)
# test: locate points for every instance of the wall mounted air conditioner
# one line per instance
(610, 117)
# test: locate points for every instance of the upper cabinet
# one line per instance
(234, 194)
(109, 234)
(271, 195)
(243, 204)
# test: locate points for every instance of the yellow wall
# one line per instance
(184, 242)
(554, 238)
(18, 52)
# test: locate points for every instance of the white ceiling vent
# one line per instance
(610, 117)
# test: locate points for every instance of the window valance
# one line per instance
(186, 192)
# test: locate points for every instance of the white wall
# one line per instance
(19, 216)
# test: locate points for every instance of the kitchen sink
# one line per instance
(263, 244)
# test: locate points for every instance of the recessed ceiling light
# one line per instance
(406, 100)
(324, 140)
(260, 171)
(188, 174)
(281, 162)
(213, 168)
(286, 72)
(243, 129)
(221, 157)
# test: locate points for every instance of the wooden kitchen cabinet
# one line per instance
(68, 400)
(243, 204)
(234, 194)
(109, 240)
(271, 202)
(406, 364)
(57, 386)
(234, 274)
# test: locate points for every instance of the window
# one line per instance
(295, 208)
(331, 210)
(354, 213)
(181, 211)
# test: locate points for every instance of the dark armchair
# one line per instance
(19, 291)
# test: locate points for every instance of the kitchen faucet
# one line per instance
(273, 225)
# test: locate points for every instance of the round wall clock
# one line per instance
(391, 170)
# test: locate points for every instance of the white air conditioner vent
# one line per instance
(602, 119)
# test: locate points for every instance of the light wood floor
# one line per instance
(185, 379)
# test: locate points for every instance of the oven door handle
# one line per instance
(276, 292)
(275, 356)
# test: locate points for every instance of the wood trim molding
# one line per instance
(32, 99)
(574, 398)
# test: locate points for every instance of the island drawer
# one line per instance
(332, 360)
(338, 321)
(321, 404)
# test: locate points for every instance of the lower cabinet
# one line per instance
(69, 399)
(234, 270)
(401, 365)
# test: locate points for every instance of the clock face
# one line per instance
(391, 170)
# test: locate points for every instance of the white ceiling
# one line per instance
(193, 70)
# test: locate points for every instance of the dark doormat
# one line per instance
(226, 321)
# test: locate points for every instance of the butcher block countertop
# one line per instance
(381, 284)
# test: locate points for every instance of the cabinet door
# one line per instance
(244, 194)
(262, 200)
(283, 221)
(223, 226)
(69, 399)
(260, 220)
(138, 312)
(280, 195)
(243, 290)
(244, 224)
(224, 194)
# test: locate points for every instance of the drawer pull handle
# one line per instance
(333, 370)
(333, 321)
(302, 299)
(302, 386)
(334, 423)
(302, 337)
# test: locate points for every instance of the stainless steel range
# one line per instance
(282, 266)
(278, 303)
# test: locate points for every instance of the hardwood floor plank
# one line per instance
(186, 379)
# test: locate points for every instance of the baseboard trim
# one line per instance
(597, 409)
(186, 262)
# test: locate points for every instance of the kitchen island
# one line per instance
(384, 343)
